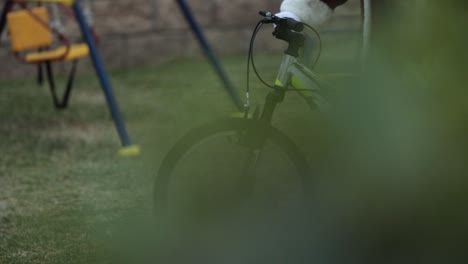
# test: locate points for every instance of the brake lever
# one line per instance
(269, 18)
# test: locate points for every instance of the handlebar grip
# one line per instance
(289, 22)
(294, 25)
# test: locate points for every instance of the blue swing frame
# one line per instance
(210, 54)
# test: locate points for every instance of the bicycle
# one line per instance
(248, 137)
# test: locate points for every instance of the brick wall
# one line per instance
(154, 31)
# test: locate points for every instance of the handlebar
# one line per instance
(290, 23)
(286, 29)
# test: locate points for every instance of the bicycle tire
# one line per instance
(197, 135)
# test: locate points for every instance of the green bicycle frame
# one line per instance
(294, 74)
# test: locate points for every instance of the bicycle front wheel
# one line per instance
(225, 165)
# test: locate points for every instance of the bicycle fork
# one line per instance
(254, 137)
(257, 131)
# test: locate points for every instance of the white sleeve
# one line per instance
(312, 12)
(286, 14)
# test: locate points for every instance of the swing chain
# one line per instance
(57, 24)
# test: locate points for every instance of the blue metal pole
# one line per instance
(209, 53)
(6, 8)
(101, 72)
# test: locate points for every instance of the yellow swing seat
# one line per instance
(27, 33)
(75, 52)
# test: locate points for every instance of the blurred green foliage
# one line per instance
(397, 177)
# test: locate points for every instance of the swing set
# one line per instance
(33, 38)
(32, 33)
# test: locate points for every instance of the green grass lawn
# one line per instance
(63, 189)
(67, 197)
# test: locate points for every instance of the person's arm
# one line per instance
(313, 12)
